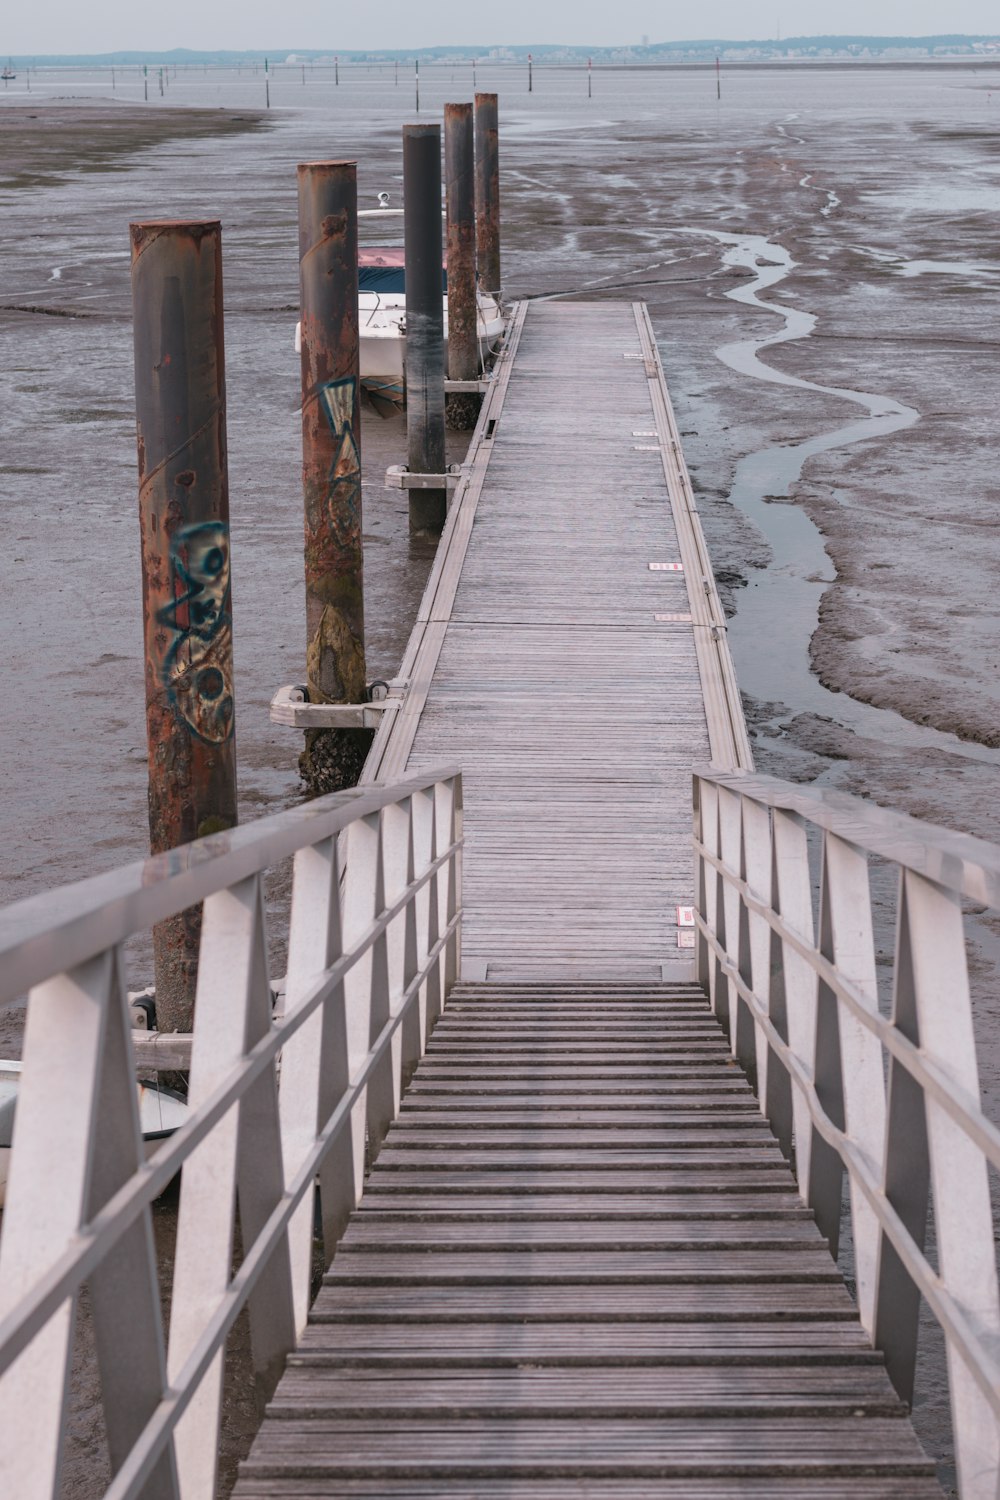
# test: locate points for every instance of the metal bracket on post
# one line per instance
(290, 706)
(398, 477)
(466, 387)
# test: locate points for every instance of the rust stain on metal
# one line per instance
(331, 431)
(184, 528)
(460, 181)
(488, 193)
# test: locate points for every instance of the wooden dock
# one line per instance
(570, 655)
(581, 1265)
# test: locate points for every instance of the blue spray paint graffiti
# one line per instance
(197, 669)
(338, 398)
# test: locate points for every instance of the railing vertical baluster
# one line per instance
(703, 971)
(261, 1175)
(46, 1203)
(314, 1064)
(963, 1219)
(777, 1091)
(906, 1178)
(227, 984)
(848, 897)
(362, 861)
(757, 865)
(795, 894)
(448, 813)
(385, 1088)
(380, 1102)
(714, 904)
(124, 1289)
(435, 977)
(427, 931)
(744, 1037)
(729, 903)
(826, 1170)
(412, 1030)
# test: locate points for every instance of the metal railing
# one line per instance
(890, 1094)
(374, 947)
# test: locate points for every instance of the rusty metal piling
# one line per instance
(424, 321)
(331, 462)
(180, 396)
(488, 194)
(460, 193)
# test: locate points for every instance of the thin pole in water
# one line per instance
(590, 78)
(529, 73)
(336, 71)
(416, 75)
(397, 72)
(267, 93)
(718, 77)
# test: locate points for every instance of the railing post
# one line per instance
(180, 395)
(460, 185)
(963, 1216)
(331, 464)
(794, 891)
(906, 1176)
(424, 322)
(488, 194)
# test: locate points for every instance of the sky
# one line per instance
(107, 25)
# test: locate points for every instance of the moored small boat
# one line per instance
(161, 1112)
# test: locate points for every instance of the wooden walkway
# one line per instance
(580, 1266)
(570, 657)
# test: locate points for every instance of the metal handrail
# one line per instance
(893, 1100)
(373, 951)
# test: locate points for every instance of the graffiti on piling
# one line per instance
(198, 667)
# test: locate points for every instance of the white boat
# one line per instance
(161, 1112)
(382, 319)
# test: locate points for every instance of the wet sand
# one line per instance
(856, 559)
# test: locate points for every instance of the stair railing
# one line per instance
(373, 949)
(888, 1092)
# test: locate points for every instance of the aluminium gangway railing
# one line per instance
(887, 1092)
(373, 949)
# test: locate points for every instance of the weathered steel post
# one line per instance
(180, 398)
(460, 188)
(424, 321)
(331, 464)
(488, 194)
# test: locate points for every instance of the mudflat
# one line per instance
(818, 253)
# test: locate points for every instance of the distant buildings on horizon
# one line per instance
(790, 49)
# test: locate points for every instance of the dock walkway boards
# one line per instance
(570, 657)
(581, 1268)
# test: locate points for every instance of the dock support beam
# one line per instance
(460, 186)
(424, 321)
(331, 464)
(180, 398)
(488, 194)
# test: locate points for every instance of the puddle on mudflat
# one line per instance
(778, 612)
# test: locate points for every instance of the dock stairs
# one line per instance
(581, 1267)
